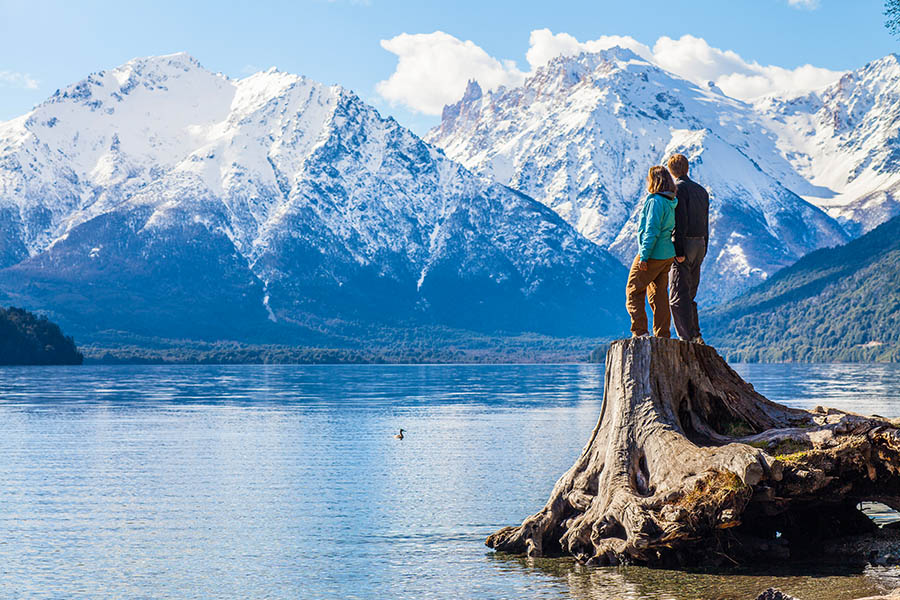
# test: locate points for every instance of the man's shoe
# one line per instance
(640, 335)
(698, 340)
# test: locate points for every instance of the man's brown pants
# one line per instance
(654, 284)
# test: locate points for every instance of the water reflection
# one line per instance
(286, 482)
(630, 582)
(350, 386)
(861, 388)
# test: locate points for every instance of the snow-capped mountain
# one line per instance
(163, 199)
(845, 140)
(580, 134)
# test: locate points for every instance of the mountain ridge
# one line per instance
(580, 133)
(834, 304)
(843, 138)
(277, 207)
(270, 206)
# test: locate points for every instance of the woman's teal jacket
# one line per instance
(655, 228)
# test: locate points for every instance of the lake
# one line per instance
(286, 481)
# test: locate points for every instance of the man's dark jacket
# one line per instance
(691, 213)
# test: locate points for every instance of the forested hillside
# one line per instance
(27, 339)
(836, 304)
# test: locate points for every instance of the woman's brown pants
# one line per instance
(654, 284)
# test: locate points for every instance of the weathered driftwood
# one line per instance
(688, 464)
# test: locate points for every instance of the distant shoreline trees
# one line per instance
(28, 339)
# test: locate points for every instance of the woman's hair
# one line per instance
(659, 180)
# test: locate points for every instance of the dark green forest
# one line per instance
(28, 339)
(835, 304)
(371, 345)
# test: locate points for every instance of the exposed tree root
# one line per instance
(689, 464)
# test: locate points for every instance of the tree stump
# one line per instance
(688, 464)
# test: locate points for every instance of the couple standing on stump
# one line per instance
(673, 235)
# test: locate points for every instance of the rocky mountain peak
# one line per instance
(843, 140)
(473, 91)
(581, 132)
(300, 201)
(563, 72)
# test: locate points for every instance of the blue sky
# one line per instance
(47, 45)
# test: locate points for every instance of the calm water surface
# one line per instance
(286, 482)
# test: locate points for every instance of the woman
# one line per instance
(649, 273)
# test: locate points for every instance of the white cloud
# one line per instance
(694, 59)
(807, 4)
(18, 80)
(776, 79)
(433, 69)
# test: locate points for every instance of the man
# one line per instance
(691, 239)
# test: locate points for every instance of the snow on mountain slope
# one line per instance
(845, 139)
(580, 134)
(159, 179)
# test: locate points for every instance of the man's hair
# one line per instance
(678, 165)
(659, 180)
